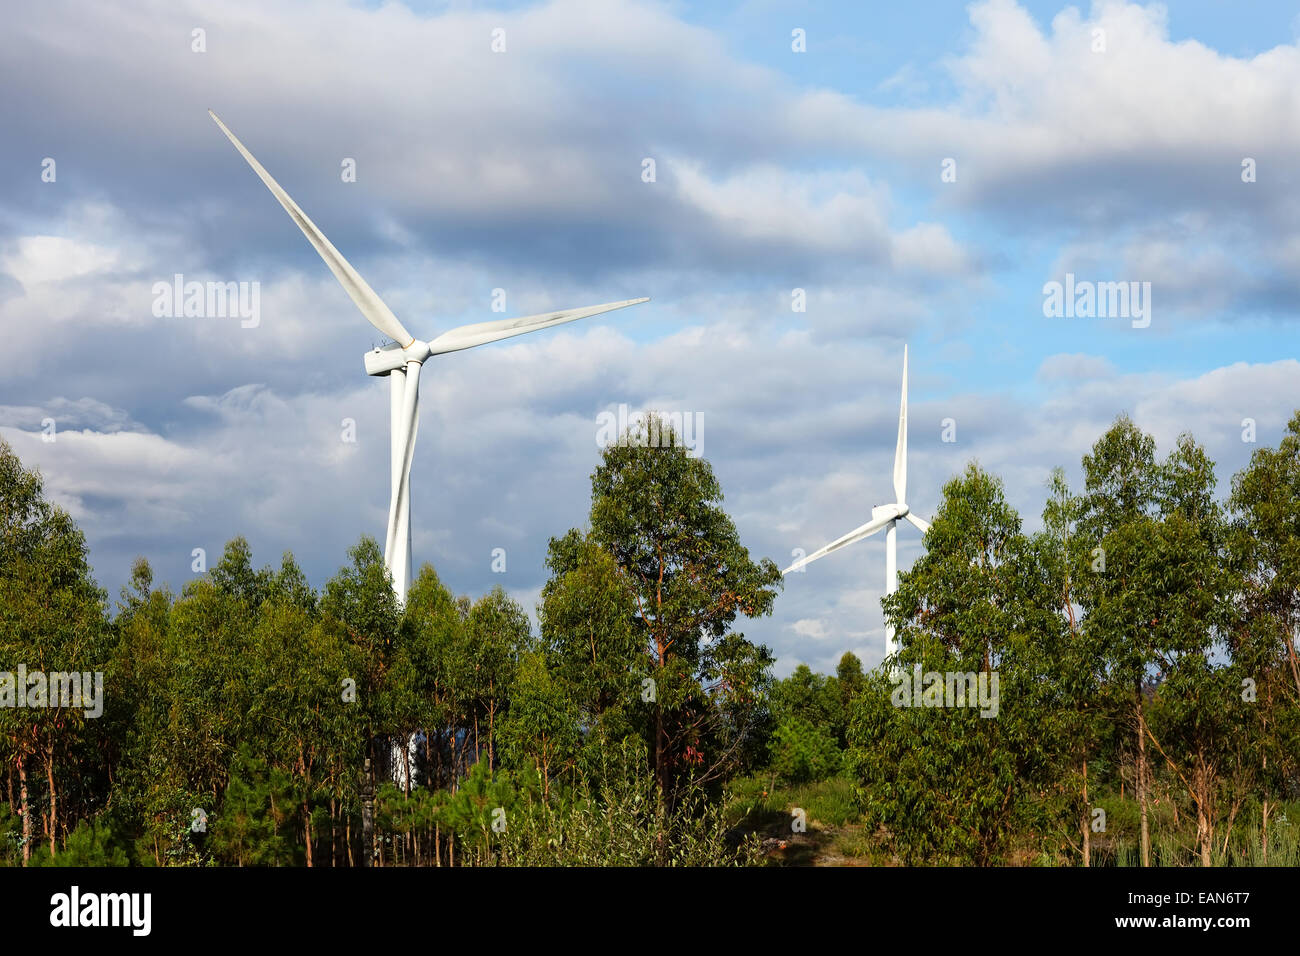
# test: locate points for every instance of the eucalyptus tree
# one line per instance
(306, 720)
(360, 609)
(52, 620)
(657, 510)
(1074, 662)
(595, 649)
(1265, 548)
(949, 770)
(1200, 709)
(1118, 521)
(434, 647)
(541, 729)
(137, 708)
(499, 634)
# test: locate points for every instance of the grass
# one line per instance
(1173, 839)
(1177, 847)
(835, 836)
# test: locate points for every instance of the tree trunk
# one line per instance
(334, 829)
(1204, 833)
(367, 818)
(1203, 780)
(306, 816)
(1291, 657)
(1141, 782)
(1264, 829)
(25, 808)
(492, 709)
(1087, 820)
(306, 799)
(54, 804)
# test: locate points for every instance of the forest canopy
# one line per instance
(1141, 645)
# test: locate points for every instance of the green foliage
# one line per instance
(614, 815)
(92, 843)
(949, 784)
(650, 597)
(803, 751)
(249, 828)
(11, 837)
(478, 808)
(1143, 640)
(540, 731)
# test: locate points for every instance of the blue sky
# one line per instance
(521, 170)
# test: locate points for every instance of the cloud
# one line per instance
(522, 171)
(85, 414)
(1074, 367)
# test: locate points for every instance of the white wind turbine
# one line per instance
(401, 361)
(883, 516)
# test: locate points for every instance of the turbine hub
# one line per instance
(390, 357)
(896, 511)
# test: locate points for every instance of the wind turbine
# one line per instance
(401, 360)
(883, 516)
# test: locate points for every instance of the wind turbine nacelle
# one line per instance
(389, 358)
(888, 511)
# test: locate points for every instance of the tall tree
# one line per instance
(657, 511)
(951, 773)
(1120, 479)
(1075, 664)
(52, 620)
(593, 641)
(1265, 551)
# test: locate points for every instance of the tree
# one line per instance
(954, 781)
(540, 730)
(1120, 478)
(359, 605)
(1074, 663)
(803, 751)
(499, 633)
(1200, 709)
(1264, 545)
(657, 511)
(594, 645)
(52, 620)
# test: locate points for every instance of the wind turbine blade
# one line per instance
(857, 534)
(921, 524)
(371, 306)
(468, 336)
(900, 452)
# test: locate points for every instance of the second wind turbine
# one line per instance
(401, 361)
(883, 516)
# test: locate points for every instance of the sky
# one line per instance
(920, 172)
